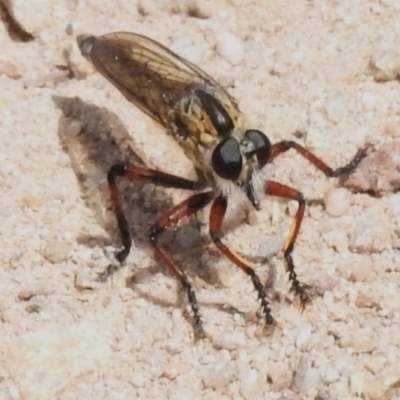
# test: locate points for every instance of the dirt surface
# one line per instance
(327, 69)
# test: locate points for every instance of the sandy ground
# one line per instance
(301, 66)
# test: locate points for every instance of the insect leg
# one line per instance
(137, 174)
(218, 210)
(185, 209)
(285, 145)
(277, 189)
(14, 28)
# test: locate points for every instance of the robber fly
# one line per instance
(206, 122)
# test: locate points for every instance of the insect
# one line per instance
(206, 122)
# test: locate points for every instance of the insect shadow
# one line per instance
(95, 139)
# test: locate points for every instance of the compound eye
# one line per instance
(262, 146)
(226, 159)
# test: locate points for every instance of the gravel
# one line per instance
(327, 69)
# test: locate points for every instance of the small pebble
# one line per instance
(250, 384)
(337, 201)
(370, 235)
(342, 362)
(389, 3)
(149, 7)
(259, 357)
(280, 375)
(369, 100)
(230, 47)
(271, 246)
(378, 389)
(292, 207)
(14, 392)
(360, 271)
(229, 275)
(385, 65)
(57, 251)
(11, 70)
(314, 139)
(391, 302)
(336, 107)
(220, 375)
(307, 378)
(303, 336)
(393, 129)
(337, 239)
(375, 363)
(138, 379)
(33, 308)
(202, 9)
(84, 281)
(330, 375)
(27, 294)
(363, 345)
(364, 300)
(173, 369)
(357, 382)
(230, 340)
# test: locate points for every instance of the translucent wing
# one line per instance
(147, 73)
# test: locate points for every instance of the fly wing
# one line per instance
(147, 73)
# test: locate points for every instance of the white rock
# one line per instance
(369, 100)
(303, 336)
(360, 271)
(250, 384)
(307, 378)
(337, 201)
(292, 207)
(388, 378)
(201, 8)
(230, 47)
(259, 357)
(336, 106)
(138, 380)
(370, 235)
(391, 301)
(229, 275)
(375, 363)
(314, 139)
(230, 340)
(173, 369)
(385, 64)
(280, 375)
(220, 375)
(271, 246)
(57, 251)
(330, 375)
(393, 129)
(357, 382)
(43, 360)
(361, 345)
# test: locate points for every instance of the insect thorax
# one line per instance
(202, 118)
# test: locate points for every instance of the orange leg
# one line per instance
(286, 145)
(170, 219)
(218, 210)
(137, 174)
(277, 189)
(185, 209)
